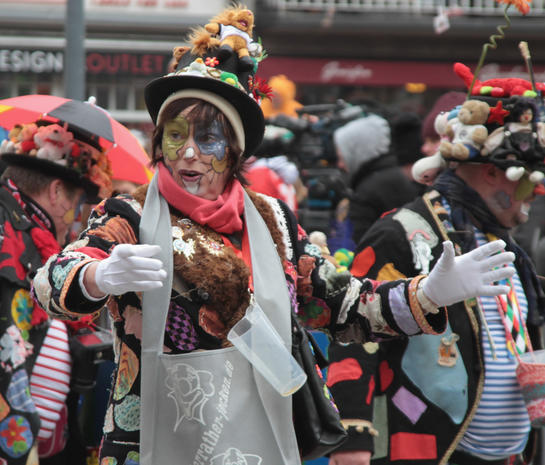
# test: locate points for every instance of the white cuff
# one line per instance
(82, 286)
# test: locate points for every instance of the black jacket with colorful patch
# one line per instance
(383, 391)
(22, 325)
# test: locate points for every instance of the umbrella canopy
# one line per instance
(128, 159)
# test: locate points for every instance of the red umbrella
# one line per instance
(128, 159)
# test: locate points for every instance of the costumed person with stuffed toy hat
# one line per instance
(179, 262)
(49, 168)
(453, 398)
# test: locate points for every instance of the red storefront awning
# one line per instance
(381, 73)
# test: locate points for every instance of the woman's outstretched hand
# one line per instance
(454, 279)
(128, 268)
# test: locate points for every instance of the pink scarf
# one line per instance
(223, 215)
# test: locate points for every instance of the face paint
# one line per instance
(175, 134)
(68, 217)
(503, 199)
(211, 140)
(189, 153)
(524, 189)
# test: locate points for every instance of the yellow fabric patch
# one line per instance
(389, 273)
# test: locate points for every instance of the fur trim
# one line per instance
(217, 271)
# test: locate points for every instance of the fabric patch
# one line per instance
(127, 413)
(389, 273)
(352, 294)
(126, 373)
(386, 375)
(421, 237)
(60, 273)
(180, 328)
(109, 420)
(412, 446)
(4, 408)
(380, 423)
(444, 386)
(133, 458)
(21, 309)
(370, 307)
(18, 394)
(108, 461)
(77, 244)
(133, 321)
(401, 311)
(347, 370)
(15, 436)
(13, 351)
(370, 347)
(370, 390)
(363, 262)
(409, 404)
(314, 313)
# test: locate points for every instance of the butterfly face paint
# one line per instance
(175, 135)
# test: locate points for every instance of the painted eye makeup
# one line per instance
(211, 140)
(175, 135)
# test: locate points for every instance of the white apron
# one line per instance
(212, 407)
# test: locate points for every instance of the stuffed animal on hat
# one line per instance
(230, 30)
(26, 139)
(8, 145)
(467, 131)
(20, 140)
(53, 142)
(426, 169)
(499, 87)
(522, 137)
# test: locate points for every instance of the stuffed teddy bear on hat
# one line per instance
(53, 142)
(466, 132)
(230, 30)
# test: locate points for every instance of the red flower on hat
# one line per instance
(260, 88)
(521, 5)
(211, 61)
(497, 114)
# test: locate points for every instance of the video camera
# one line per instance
(308, 142)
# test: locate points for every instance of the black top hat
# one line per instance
(219, 70)
(56, 151)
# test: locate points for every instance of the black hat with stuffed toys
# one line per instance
(499, 123)
(62, 152)
(220, 69)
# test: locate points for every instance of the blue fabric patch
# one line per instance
(18, 394)
(446, 387)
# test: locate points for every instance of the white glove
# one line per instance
(130, 268)
(454, 279)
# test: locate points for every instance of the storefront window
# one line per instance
(140, 103)
(5, 87)
(122, 97)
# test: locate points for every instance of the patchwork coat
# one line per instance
(25, 243)
(216, 277)
(405, 406)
